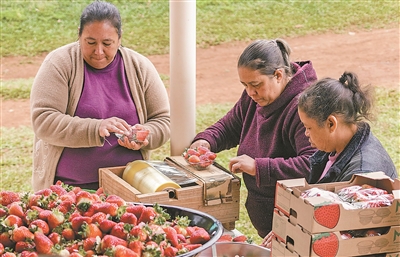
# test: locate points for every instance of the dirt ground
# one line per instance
(373, 55)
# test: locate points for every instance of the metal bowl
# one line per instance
(212, 225)
(232, 249)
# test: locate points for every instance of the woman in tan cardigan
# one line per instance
(86, 92)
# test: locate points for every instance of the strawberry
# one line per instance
(28, 254)
(121, 230)
(12, 220)
(211, 155)
(194, 159)
(109, 241)
(55, 219)
(141, 135)
(89, 243)
(107, 208)
(5, 239)
(55, 237)
(43, 244)
(39, 225)
(98, 217)
(170, 251)
(77, 222)
(225, 238)
(115, 199)
(23, 246)
(191, 152)
(122, 251)
(15, 208)
(8, 254)
(21, 234)
(3, 211)
(129, 218)
(44, 214)
(58, 189)
(90, 230)
(171, 235)
(139, 232)
(240, 238)
(136, 209)
(147, 215)
(199, 236)
(327, 215)
(202, 150)
(68, 234)
(84, 199)
(107, 225)
(7, 197)
(136, 246)
(1, 248)
(33, 200)
(188, 246)
(325, 244)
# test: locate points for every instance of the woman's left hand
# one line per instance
(243, 163)
(132, 144)
(267, 241)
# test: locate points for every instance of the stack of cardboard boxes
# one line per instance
(318, 226)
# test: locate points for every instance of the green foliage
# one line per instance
(33, 27)
(16, 89)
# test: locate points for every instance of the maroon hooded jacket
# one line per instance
(274, 136)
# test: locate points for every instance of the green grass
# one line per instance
(33, 27)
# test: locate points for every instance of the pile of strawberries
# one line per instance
(69, 221)
(200, 157)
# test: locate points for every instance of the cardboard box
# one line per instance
(293, 239)
(302, 211)
(227, 211)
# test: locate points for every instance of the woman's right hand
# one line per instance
(267, 241)
(200, 142)
(113, 125)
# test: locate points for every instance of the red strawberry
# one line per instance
(77, 222)
(211, 155)
(136, 246)
(189, 247)
(107, 225)
(109, 241)
(121, 230)
(5, 240)
(43, 244)
(8, 254)
(240, 238)
(90, 230)
(148, 215)
(191, 152)
(170, 251)
(28, 254)
(115, 199)
(199, 236)
(7, 197)
(136, 209)
(327, 215)
(55, 219)
(84, 199)
(123, 251)
(325, 244)
(139, 233)
(141, 135)
(129, 218)
(107, 208)
(194, 159)
(202, 150)
(225, 238)
(68, 234)
(1, 248)
(89, 243)
(23, 246)
(58, 189)
(12, 220)
(55, 237)
(39, 225)
(15, 208)
(98, 217)
(171, 235)
(21, 234)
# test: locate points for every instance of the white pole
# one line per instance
(182, 73)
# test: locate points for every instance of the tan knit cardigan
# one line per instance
(54, 97)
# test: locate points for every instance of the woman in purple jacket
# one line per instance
(264, 123)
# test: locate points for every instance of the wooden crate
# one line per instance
(190, 197)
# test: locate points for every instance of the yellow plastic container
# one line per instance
(147, 179)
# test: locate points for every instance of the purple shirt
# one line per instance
(105, 94)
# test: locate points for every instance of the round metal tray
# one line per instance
(234, 249)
